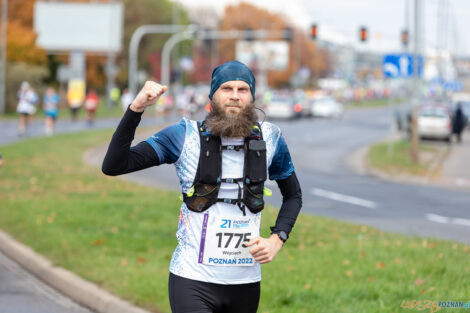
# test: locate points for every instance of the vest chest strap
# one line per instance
(232, 147)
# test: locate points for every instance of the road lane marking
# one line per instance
(461, 221)
(447, 220)
(437, 218)
(344, 198)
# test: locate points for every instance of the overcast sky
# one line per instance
(340, 19)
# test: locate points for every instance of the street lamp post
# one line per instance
(417, 86)
(134, 47)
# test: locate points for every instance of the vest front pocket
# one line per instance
(204, 196)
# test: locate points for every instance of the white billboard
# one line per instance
(96, 27)
(269, 55)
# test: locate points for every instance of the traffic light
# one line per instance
(288, 34)
(249, 34)
(314, 31)
(404, 37)
(363, 34)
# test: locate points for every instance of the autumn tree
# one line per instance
(21, 39)
(302, 53)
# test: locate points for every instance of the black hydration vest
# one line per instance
(206, 185)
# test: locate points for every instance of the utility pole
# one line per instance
(407, 24)
(3, 58)
(178, 83)
(417, 84)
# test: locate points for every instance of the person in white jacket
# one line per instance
(27, 99)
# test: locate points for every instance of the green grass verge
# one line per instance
(121, 236)
(394, 158)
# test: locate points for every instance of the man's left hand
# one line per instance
(265, 249)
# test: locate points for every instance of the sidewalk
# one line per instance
(456, 169)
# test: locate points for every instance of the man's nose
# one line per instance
(234, 94)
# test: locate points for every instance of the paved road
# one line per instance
(319, 149)
(331, 189)
(20, 292)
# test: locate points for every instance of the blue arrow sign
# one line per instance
(400, 65)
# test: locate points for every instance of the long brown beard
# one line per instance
(231, 125)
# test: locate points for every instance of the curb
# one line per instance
(83, 292)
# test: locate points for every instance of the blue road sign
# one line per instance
(453, 85)
(400, 65)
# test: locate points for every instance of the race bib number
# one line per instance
(223, 240)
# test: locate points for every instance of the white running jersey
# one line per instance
(186, 261)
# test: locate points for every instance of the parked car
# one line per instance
(283, 106)
(435, 122)
(326, 107)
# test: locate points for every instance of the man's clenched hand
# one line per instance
(265, 249)
(147, 96)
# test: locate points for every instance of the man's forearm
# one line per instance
(291, 204)
(120, 157)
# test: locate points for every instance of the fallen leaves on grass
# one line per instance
(50, 218)
(419, 281)
(98, 242)
(380, 265)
